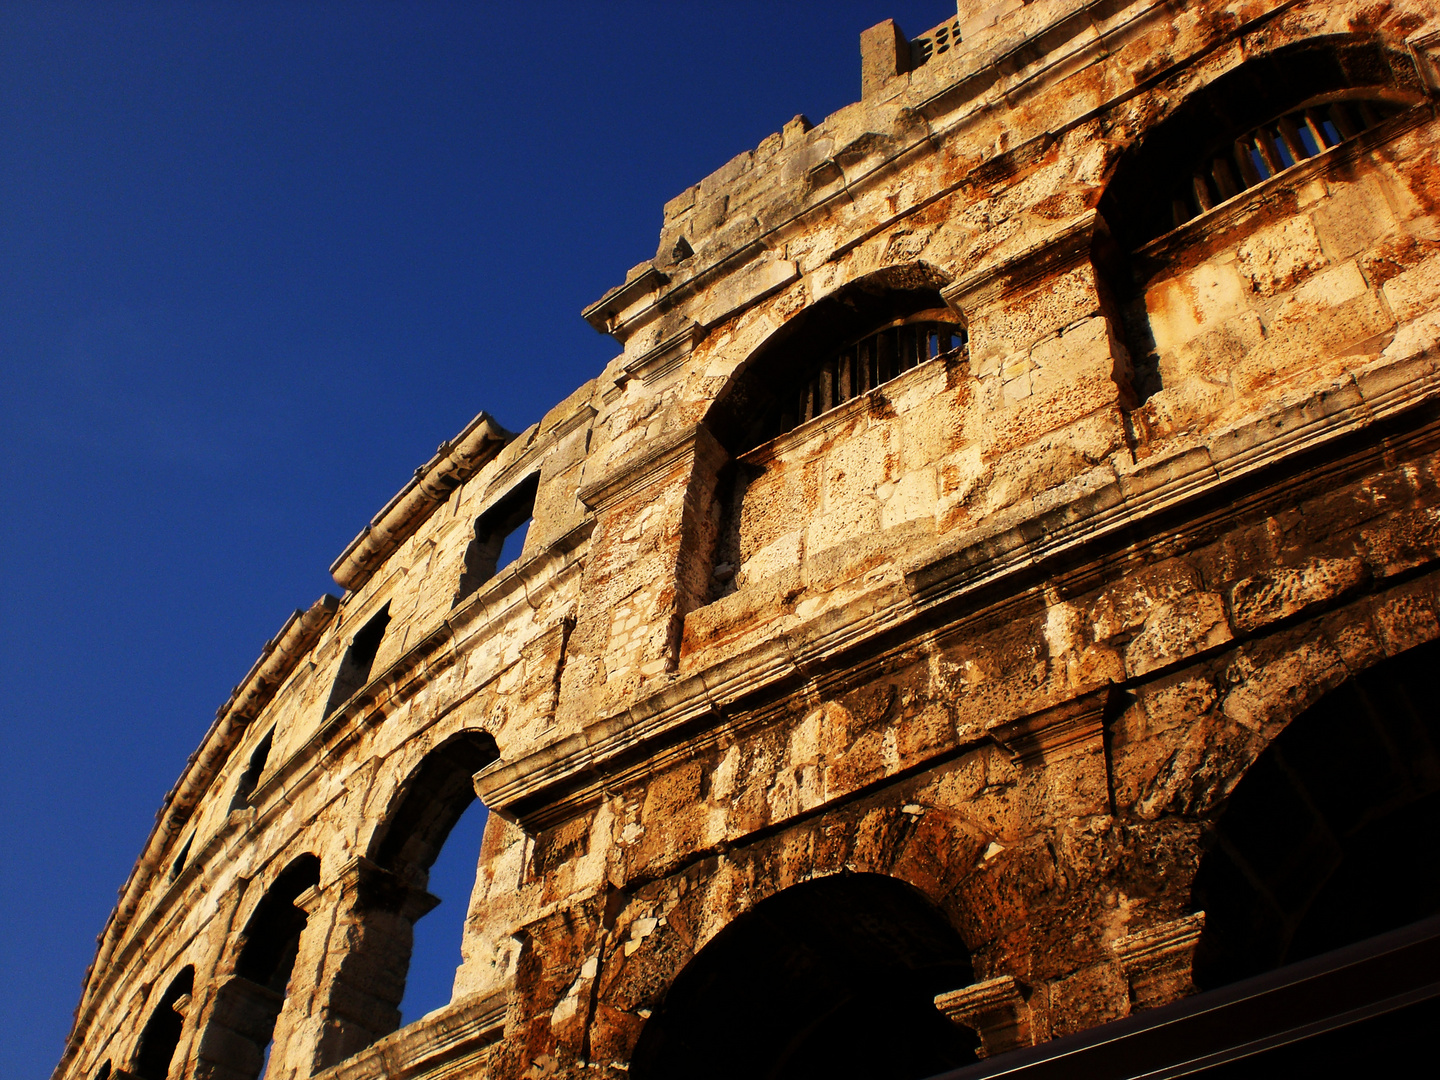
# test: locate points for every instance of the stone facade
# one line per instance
(844, 697)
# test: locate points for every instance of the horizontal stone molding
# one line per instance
(1158, 961)
(441, 1043)
(1072, 523)
(454, 463)
(995, 1009)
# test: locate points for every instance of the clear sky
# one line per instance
(256, 261)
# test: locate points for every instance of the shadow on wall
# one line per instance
(1333, 834)
(833, 977)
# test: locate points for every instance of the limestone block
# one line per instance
(1286, 591)
(1414, 291)
(1280, 256)
(784, 553)
(911, 497)
(1089, 997)
(1191, 303)
(1018, 321)
(1356, 217)
(1214, 354)
(1177, 630)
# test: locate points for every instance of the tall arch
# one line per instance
(161, 1036)
(241, 1024)
(383, 894)
(832, 977)
(1333, 834)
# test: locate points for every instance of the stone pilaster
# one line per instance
(367, 954)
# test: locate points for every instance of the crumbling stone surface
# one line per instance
(1004, 629)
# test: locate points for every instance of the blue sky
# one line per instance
(256, 261)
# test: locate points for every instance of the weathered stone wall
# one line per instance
(1009, 628)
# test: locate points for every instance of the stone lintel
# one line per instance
(1158, 961)
(1009, 275)
(604, 314)
(650, 466)
(661, 359)
(995, 1009)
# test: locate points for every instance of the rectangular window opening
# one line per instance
(500, 535)
(355, 668)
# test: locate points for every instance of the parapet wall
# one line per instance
(988, 476)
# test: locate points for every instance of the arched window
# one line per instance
(162, 1031)
(370, 983)
(834, 977)
(841, 348)
(1332, 835)
(1253, 125)
(103, 1073)
(237, 1037)
(791, 417)
(1224, 166)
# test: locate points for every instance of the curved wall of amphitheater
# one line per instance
(1002, 563)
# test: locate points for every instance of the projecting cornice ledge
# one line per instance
(1108, 506)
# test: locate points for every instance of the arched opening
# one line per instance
(103, 1073)
(1252, 124)
(840, 348)
(833, 977)
(1333, 835)
(499, 536)
(162, 1031)
(369, 989)
(1229, 155)
(837, 359)
(237, 1038)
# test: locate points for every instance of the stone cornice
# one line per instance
(454, 463)
(657, 362)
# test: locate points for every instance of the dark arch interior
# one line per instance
(272, 937)
(1137, 202)
(433, 799)
(162, 1032)
(761, 402)
(242, 1022)
(834, 977)
(1333, 835)
(253, 771)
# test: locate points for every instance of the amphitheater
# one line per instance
(982, 619)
